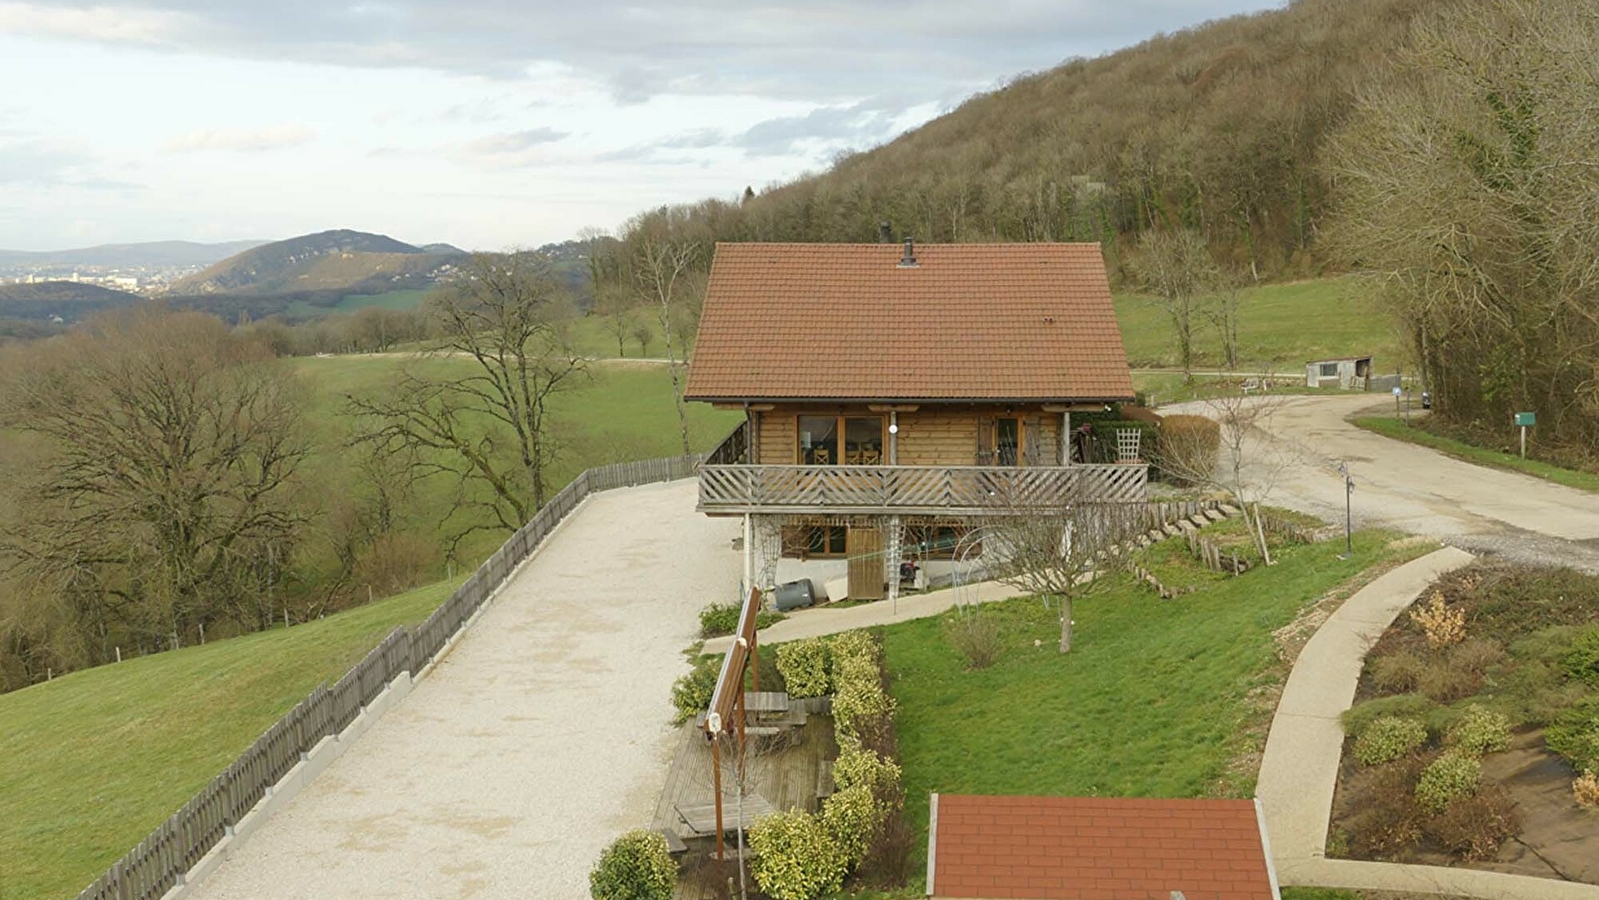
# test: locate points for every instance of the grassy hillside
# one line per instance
(96, 759)
(1281, 327)
(1220, 128)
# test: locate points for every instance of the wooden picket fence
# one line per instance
(159, 862)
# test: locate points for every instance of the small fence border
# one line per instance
(161, 861)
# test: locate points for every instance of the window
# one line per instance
(862, 440)
(1329, 370)
(941, 542)
(1007, 442)
(815, 541)
(818, 440)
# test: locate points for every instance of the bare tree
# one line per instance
(490, 430)
(1222, 311)
(165, 498)
(1176, 266)
(1249, 463)
(1058, 552)
(665, 273)
(643, 334)
(612, 298)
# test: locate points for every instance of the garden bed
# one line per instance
(1493, 681)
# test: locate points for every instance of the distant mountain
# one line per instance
(351, 262)
(444, 248)
(68, 300)
(156, 254)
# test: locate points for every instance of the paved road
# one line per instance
(1414, 489)
(537, 740)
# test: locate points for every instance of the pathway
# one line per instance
(538, 739)
(1299, 770)
(808, 623)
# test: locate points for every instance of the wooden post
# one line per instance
(716, 787)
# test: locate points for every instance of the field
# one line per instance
(98, 758)
(1281, 327)
(1155, 699)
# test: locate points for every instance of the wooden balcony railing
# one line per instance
(954, 490)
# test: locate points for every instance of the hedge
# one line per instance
(637, 866)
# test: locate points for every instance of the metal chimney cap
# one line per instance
(908, 261)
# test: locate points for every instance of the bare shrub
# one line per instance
(395, 562)
(1444, 625)
(1387, 818)
(1397, 673)
(1586, 790)
(977, 639)
(1187, 445)
(1477, 655)
(1473, 827)
(1444, 681)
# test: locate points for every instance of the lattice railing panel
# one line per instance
(897, 489)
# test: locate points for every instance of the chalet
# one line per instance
(895, 397)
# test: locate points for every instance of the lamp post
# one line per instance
(1349, 530)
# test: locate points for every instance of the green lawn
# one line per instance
(1281, 327)
(1393, 427)
(97, 759)
(1153, 701)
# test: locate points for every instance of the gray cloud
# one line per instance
(35, 162)
(509, 150)
(828, 51)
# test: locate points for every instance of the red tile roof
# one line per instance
(968, 322)
(1097, 848)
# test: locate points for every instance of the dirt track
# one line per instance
(1413, 489)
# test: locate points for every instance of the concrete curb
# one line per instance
(1299, 770)
(329, 749)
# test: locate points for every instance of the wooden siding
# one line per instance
(930, 436)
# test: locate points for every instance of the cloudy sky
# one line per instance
(484, 123)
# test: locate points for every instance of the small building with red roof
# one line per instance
(1097, 848)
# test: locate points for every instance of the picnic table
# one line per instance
(700, 818)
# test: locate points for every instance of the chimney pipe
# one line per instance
(885, 232)
(908, 261)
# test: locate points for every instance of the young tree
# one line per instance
(1249, 464)
(612, 298)
(1176, 266)
(489, 430)
(164, 499)
(664, 269)
(1223, 313)
(643, 334)
(1059, 551)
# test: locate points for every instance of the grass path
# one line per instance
(1153, 701)
(1392, 427)
(97, 759)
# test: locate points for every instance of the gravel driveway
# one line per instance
(539, 738)
(1413, 489)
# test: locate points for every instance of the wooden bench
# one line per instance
(824, 780)
(700, 818)
(674, 843)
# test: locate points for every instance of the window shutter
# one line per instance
(1033, 438)
(985, 441)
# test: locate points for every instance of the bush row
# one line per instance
(801, 855)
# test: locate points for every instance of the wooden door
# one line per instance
(864, 546)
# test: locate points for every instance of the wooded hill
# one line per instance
(339, 261)
(1218, 128)
(67, 299)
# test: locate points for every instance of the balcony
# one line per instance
(728, 489)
